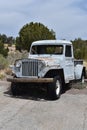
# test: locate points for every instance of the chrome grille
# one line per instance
(30, 67)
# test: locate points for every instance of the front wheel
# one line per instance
(15, 89)
(54, 89)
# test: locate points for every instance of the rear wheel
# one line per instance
(54, 89)
(83, 78)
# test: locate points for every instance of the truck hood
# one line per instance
(53, 60)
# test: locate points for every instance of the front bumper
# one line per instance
(30, 80)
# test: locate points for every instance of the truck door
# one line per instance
(69, 63)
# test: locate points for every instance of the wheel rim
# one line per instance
(83, 79)
(57, 87)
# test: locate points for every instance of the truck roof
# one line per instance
(51, 42)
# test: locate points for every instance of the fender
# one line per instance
(78, 71)
(55, 72)
(49, 69)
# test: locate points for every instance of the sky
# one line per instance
(68, 18)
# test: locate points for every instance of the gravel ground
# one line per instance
(33, 111)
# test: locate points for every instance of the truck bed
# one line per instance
(78, 62)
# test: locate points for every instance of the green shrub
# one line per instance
(3, 62)
(3, 51)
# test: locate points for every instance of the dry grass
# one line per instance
(79, 85)
(5, 62)
(2, 74)
(16, 55)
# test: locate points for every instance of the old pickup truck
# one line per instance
(50, 62)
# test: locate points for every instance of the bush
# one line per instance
(3, 62)
(3, 51)
(33, 32)
(16, 55)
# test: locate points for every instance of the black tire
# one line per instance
(15, 89)
(54, 89)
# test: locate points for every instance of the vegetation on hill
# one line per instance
(5, 40)
(80, 48)
(3, 51)
(32, 32)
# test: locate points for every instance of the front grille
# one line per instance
(30, 67)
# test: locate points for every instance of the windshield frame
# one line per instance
(39, 49)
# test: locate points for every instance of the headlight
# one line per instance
(18, 63)
(41, 65)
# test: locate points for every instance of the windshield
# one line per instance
(47, 49)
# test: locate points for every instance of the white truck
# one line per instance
(49, 62)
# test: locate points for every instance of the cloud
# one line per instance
(82, 5)
(67, 18)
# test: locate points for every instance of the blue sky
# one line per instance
(67, 18)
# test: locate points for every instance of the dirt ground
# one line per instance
(34, 111)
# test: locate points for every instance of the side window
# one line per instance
(68, 51)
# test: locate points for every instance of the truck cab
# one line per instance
(57, 55)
